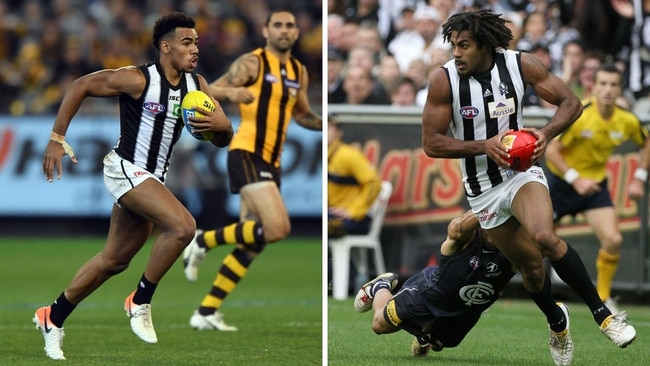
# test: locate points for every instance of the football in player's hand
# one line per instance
(196, 98)
(521, 145)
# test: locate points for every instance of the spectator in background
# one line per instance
(366, 57)
(403, 92)
(348, 36)
(427, 24)
(406, 34)
(515, 24)
(418, 71)
(639, 63)
(591, 62)
(335, 64)
(227, 30)
(369, 11)
(533, 32)
(359, 87)
(572, 57)
(387, 71)
(362, 55)
(334, 30)
(445, 8)
(353, 185)
(368, 36)
(531, 99)
(437, 58)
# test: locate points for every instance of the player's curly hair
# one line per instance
(487, 28)
(169, 23)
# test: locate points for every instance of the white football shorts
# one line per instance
(121, 176)
(494, 207)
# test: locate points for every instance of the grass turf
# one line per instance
(511, 332)
(277, 308)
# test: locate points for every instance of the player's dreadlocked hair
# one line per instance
(487, 28)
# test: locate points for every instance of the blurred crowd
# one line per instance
(382, 51)
(46, 44)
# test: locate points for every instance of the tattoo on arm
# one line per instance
(242, 71)
(311, 121)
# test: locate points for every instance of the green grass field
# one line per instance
(277, 307)
(512, 332)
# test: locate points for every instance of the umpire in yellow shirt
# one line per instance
(352, 186)
(577, 161)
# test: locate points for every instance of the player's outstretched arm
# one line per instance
(104, 83)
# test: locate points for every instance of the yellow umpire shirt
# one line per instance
(352, 182)
(590, 140)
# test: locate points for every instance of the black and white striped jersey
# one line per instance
(152, 124)
(482, 106)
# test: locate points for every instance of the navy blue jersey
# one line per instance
(466, 282)
(444, 302)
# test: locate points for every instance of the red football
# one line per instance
(521, 146)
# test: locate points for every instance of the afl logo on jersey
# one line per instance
(153, 107)
(469, 112)
(270, 78)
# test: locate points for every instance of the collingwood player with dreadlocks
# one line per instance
(478, 95)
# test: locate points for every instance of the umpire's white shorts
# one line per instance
(494, 207)
(121, 176)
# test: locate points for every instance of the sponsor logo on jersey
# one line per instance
(487, 93)
(469, 112)
(492, 270)
(153, 107)
(501, 108)
(139, 173)
(266, 174)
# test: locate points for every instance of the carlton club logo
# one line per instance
(6, 143)
(477, 294)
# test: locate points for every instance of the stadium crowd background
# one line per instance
(381, 51)
(46, 44)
